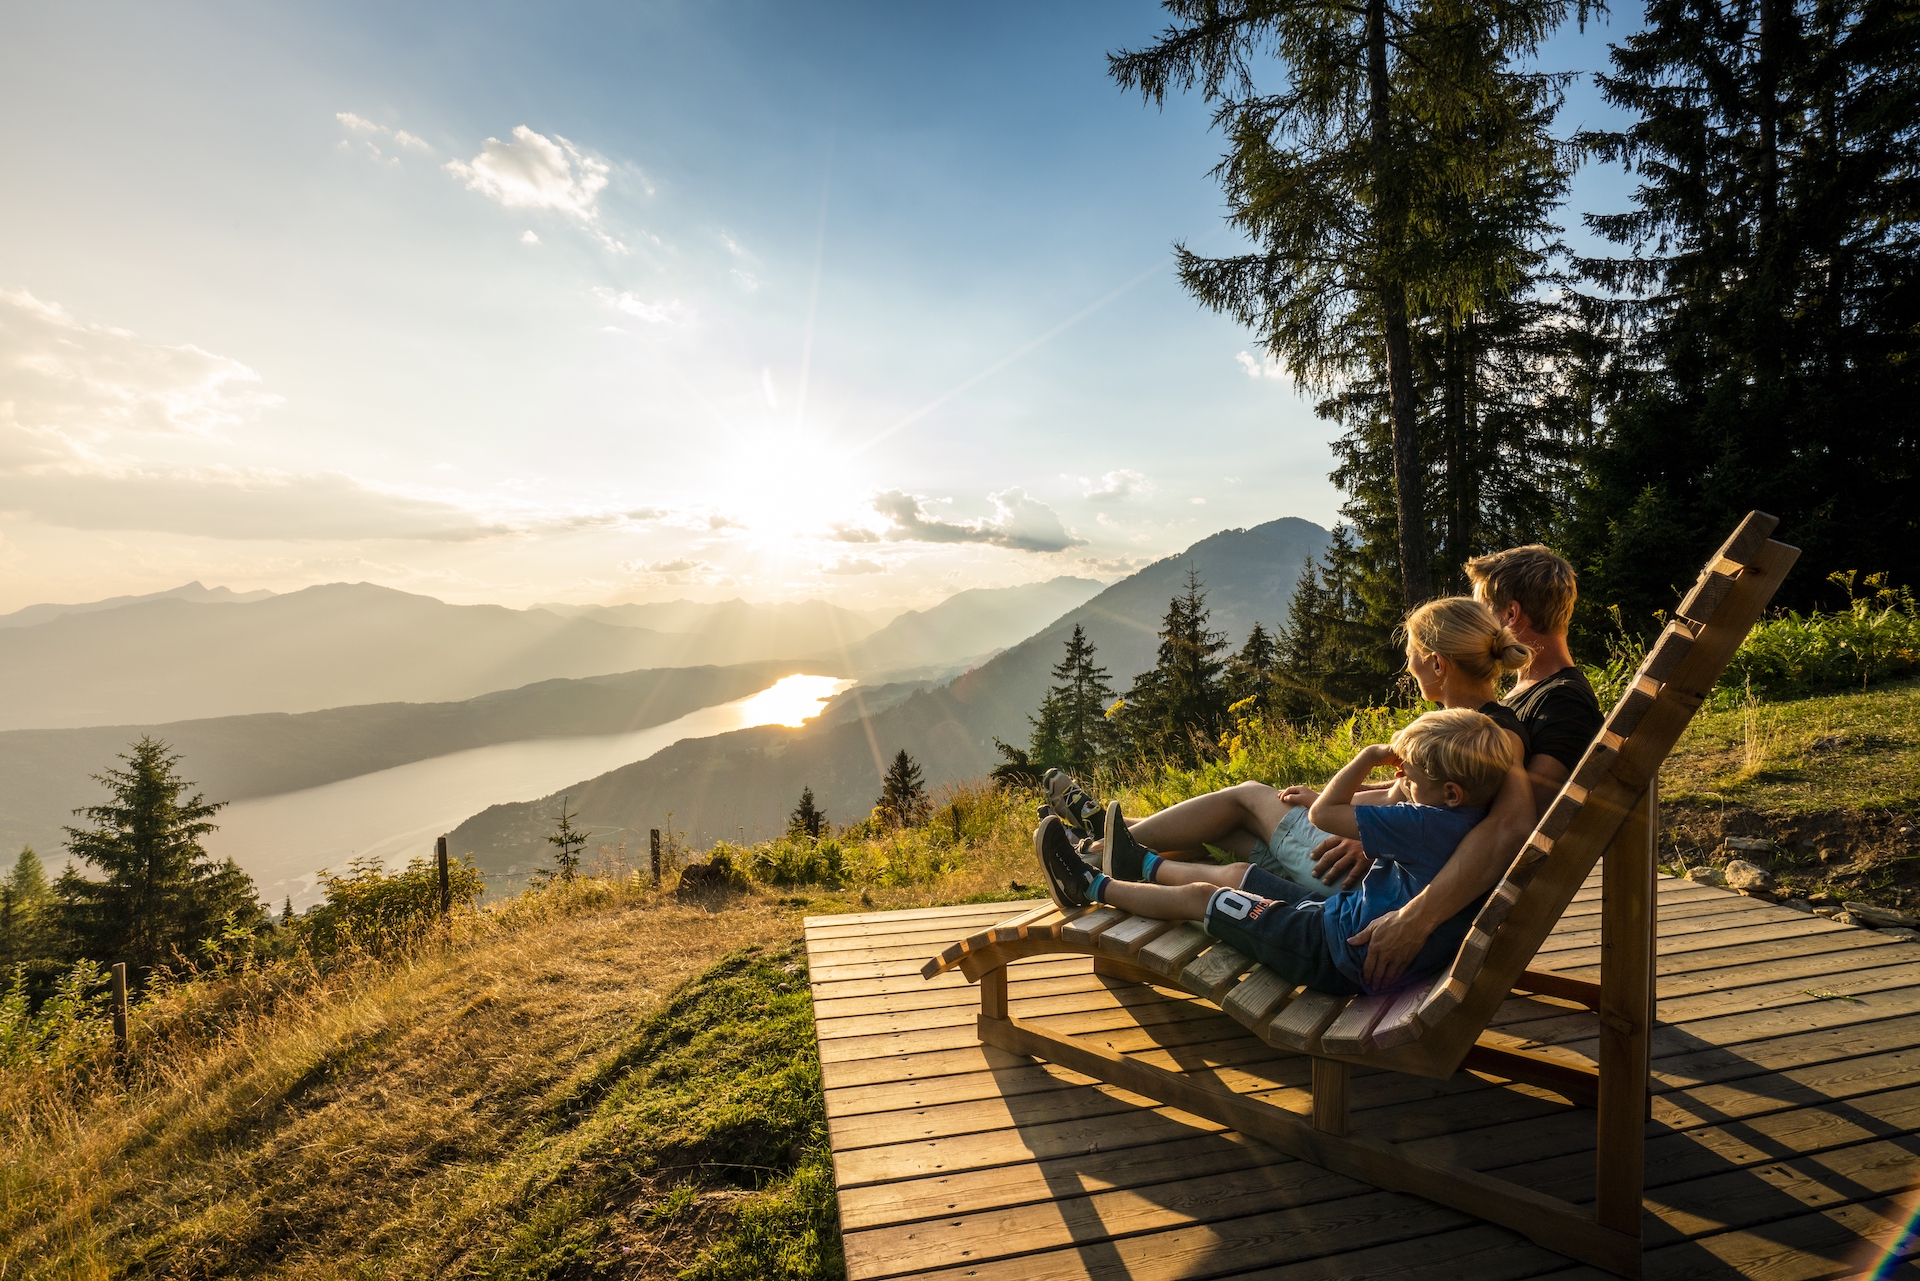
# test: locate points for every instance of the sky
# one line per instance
(595, 303)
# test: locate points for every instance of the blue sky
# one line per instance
(618, 302)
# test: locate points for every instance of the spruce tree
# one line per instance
(1070, 730)
(162, 893)
(26, 912)
(1377, 184)
(567, 841)
(806, 819)
(903, 794)
(1770, 295)
(286, 911)
(1182, 699)
(1253, 673)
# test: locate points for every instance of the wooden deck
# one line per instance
(1782, 1143)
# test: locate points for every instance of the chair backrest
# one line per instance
(1612, 779)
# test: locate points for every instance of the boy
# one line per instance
(1450, 762)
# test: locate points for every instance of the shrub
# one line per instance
(374, 909)
(1876, 638)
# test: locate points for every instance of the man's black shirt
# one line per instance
(1561, 715)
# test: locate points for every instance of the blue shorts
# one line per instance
(1280, 924)
(1288, 852)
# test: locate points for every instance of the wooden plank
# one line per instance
(1082, 931)
(1129, 936)
(1298, 1027)
(1350, 1031)
(1215, 972)
(893, 916)
(1173, 951)
(1625, 1017)
(1258, 996)
(1542, 1219)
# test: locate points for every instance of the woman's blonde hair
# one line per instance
(1465, 632)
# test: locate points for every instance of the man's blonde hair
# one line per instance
(1459, 746)
(1465, 632)
(1537, 579)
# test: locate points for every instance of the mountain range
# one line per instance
(45, 774)
(745, 782)
(197, 652)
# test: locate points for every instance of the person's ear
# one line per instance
(1456, 795)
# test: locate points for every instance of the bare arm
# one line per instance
(1332, 810)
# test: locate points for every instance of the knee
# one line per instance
(1237, 874)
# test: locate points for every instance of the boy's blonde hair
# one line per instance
(1536, 578)
(1459, 746)
(1466, 633)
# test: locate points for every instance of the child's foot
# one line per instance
(1079, 811)
(1069, 881)
(1123, 858)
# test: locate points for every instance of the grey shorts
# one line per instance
(1288, 853)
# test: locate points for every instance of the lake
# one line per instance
(396, 814)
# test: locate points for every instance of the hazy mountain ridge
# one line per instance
(45, 773)
(34, 615)
(972, 624)
(747, 781)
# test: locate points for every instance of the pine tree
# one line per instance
(903, 794)
(567, 841)
(1182, 699)
(26, 912)
(1377, 184)
(1337, 647)
(286, 911)
(1770, 296)
(806, 819)
(1253, 673)
(1070, 730)
(162, 892)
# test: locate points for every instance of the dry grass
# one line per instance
(360, 1130)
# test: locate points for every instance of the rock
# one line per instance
(1750, 845)
(1742, 875)
(1901, 932)
(1765, 896)
(1821, 899)
(707, 878)
(1882, 917)
(1799, 905)
(1844, 918)
(1706, 876)
(1830, 912)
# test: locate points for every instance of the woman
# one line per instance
(1457, 651)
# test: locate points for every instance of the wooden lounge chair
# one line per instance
(1437, 1027)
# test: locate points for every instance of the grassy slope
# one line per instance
(620, 1084)
(1834, 781)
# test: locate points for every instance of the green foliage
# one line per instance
(903, 794)
(27, 924)
(567, 841)
(1181, 703)
(65, 1027)
(797, 859)
(1071, 730)
(807, 818)
(1876, 638)
(1766, 293)
(162, 893)
(1336, 650)
(378, 911)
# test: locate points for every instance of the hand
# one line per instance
(1340, 856)
(1300, 795)
(1381, 754)
(1392, 943)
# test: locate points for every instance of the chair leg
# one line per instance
(993, 993)
(1330, 1096)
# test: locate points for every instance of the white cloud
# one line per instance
(1019, 522)
(1111, 565)
(745, 279)
(654, 313)
(537, 172)
(766, 385)
(849, 565)
(1198, 502)
(528, 238)
(1116, 486)
(229, 503)
(1266, 366)
(67, 388)
(367, 128)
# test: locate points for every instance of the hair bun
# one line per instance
(1509, 652)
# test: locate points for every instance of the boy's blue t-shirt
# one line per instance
(1409, 844)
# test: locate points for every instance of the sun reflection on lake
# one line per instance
(792, 700)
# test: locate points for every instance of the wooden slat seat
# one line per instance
(1438, 1026)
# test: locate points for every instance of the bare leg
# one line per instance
(1162, 902)
(1230, 876)
(1232, 819)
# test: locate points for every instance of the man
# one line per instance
(1532, 591)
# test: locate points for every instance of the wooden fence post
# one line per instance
(120, 1009)
(446, 885)
(653, 844)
